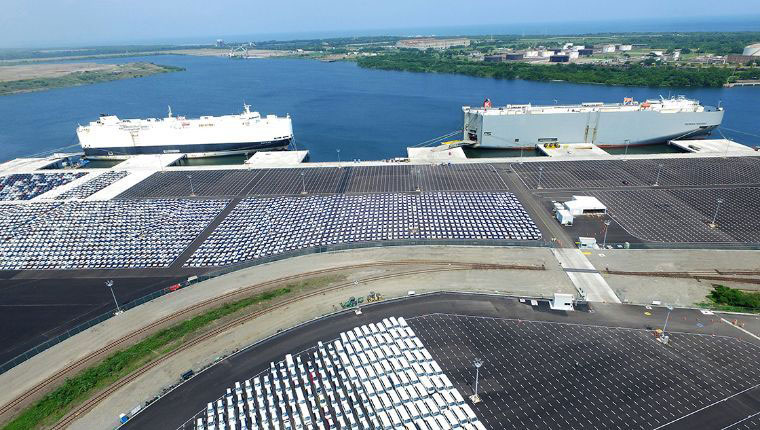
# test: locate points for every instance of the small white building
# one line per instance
(586, 242)
(564, 217)
(608, 48)
(546, 53)
(573, 55)
(567, 46)
(625, 47)
(578, 47)
(585, 205)
(531, 53)
(562, 302)
(658, 53)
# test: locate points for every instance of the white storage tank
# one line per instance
(752, 50)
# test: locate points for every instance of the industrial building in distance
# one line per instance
(429, 42)
(751, 53)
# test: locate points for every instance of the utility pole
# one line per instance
(109, 284)
(715, 216)
(659, 169)
(607, 223)
(192, 190)
(303, 183)
(477, 363)
(627, 142)
(540, 174)
(664, 338)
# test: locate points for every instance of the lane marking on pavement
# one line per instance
(741, 421)
(740, 328)
(708, 406)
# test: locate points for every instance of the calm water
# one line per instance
(366, 114)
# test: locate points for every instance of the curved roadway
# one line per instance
(175, 408)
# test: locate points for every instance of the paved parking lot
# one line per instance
(322, 180)
(685, 214)
(541, 375)
(750, 423)
(631, 173)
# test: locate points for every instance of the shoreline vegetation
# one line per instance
(39, 77)
(622, 75)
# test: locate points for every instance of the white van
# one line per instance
(377, 404)
(446, 381)
(457, 397)
(432, 406)
(440, 401)
(385, 422)
(422, 407)
(471, 417)
(405, 418)
(461, 416)
(443, 423)
(411, 408)
(395, 419)
(395, 399)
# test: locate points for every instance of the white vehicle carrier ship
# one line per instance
(603, 124)
(111, 137)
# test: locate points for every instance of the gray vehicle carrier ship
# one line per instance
(603, 124)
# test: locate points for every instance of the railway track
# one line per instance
(51, 381)
(700, 275)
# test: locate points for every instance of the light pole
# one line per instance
(664, 337)
(109, 284)
(338, 151)
(627, 142)
(540, 174)
(477, 363)
(715, 216)
(303, 184)
(517, 141)
(192, 190)
(606, 227)
(659, 170)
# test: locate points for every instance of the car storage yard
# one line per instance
(543, 375)
(595, 368)
(704, 202)
(322, 180)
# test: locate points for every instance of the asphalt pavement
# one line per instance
(173, 409)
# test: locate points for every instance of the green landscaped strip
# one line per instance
(728, 299)
(76, 390)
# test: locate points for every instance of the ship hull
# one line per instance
(195, 150)
(604, 129)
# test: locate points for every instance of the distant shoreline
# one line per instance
(30, 78)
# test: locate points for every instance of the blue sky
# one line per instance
(25, 23)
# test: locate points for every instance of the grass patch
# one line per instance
(122, 71)
(733, 300)
(77, 389)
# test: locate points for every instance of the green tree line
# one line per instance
(632, 74)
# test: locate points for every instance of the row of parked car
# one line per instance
(377, 376)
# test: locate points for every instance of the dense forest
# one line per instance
(722, 43)
(633, 75)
